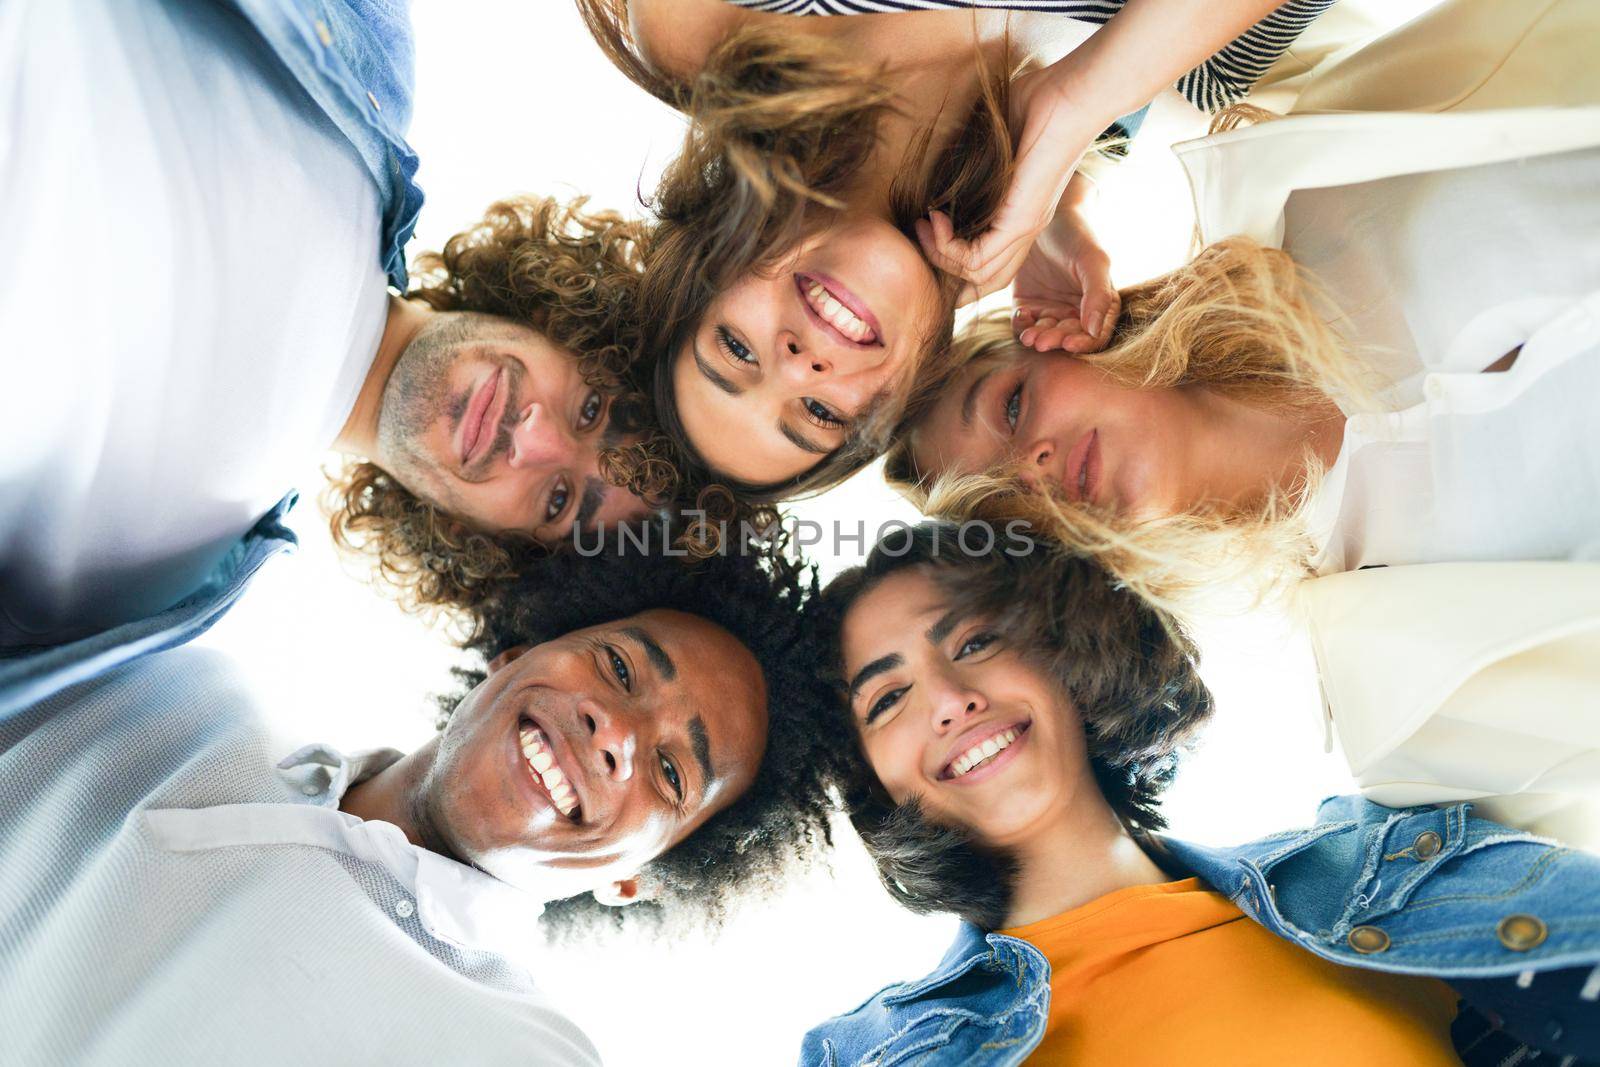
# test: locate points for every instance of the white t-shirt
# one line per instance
(1439, 275)
(190, 297)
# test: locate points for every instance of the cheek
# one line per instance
(640, 838)
(896, 760)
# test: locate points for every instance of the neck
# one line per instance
(394, 795)
(1084, 855)
(359, 437)
(1245, 451)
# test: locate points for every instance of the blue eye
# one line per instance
(1013, 408)
(821, 414)
(557, 502)
(590, 411)
(732, 348)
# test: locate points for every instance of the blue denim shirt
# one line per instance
(1425, 891)
(355, 59)
(29, 678)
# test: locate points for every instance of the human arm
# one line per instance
(1059, 110)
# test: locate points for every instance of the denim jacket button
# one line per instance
(1368, 940)
(1519, 933)
(1427, 845)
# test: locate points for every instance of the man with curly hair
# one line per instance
(201, 297)
(642, 731)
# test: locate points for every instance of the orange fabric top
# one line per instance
(1177, 974)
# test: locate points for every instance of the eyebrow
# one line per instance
(711, 374)
(942, 627)
(968, 401)
(700, 744)
(800, 441)
(872, 670)
(655, 653)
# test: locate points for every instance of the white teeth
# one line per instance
(842, 318)
(981, 753)
(545, 770)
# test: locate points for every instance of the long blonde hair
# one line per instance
(1239, 318)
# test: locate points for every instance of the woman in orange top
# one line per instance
(1020, 716)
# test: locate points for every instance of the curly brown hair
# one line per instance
(569, 273)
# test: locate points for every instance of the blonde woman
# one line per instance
(1440, 419)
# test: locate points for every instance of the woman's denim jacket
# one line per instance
(1425, 891)
(356, 60)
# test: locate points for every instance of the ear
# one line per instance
(506, 657)
(622, 892)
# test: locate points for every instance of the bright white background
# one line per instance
(513, 97)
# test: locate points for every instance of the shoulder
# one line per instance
(985, 1003)
(144, 724)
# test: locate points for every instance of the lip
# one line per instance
(980, 733)
(483, 414)
(562, 753)
(1083, 462)
(845, 297)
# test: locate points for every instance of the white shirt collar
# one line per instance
(455, 903)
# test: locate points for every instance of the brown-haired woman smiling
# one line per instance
(1018, 718)
(800, 125)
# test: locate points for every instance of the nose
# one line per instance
(800, 362)
(540, 439)
(611, 739)
(1035, 463)
(954, 704)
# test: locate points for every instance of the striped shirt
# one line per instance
(1218, 82)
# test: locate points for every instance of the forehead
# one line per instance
(716, 679)
(963, 432)
(890, 617)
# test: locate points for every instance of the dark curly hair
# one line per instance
(569, 273)
(766, 603)
(1129, 670)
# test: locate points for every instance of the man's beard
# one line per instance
(418, 395)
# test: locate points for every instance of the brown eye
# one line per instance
(976, 643)
(670, 771)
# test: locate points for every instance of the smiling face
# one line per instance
(1069, 428)
(784, 363)
(949, 714)
(578, 761)
(494, 423)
